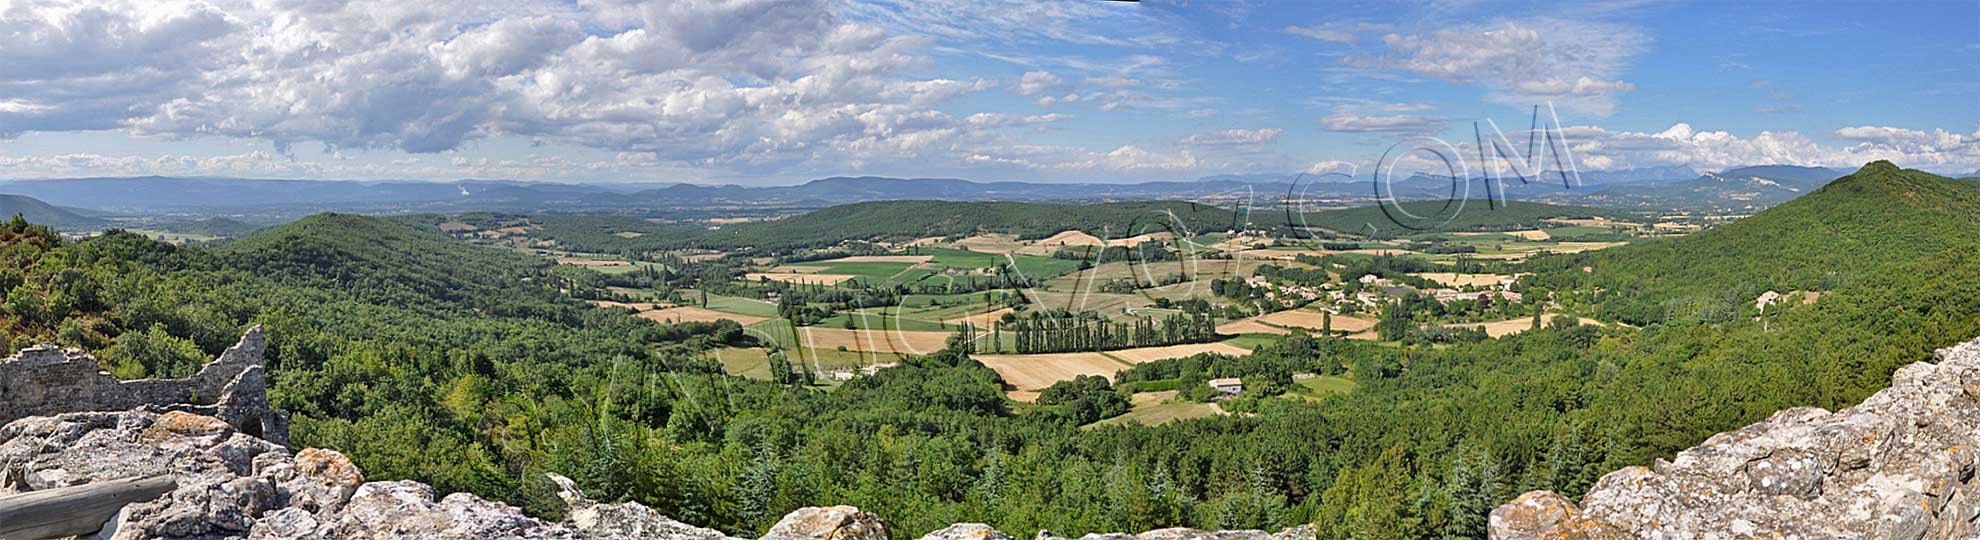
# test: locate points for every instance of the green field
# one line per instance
(1325, 385)
(1250, 342)
(739, 306)
(1155, 408)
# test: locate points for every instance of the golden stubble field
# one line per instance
(1033, 372)
(1315, 320)
(675, 315)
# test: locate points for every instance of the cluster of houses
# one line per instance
(1375, 290)
(1285, 295)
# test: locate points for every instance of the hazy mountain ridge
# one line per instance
(271, 200)
(37, 211)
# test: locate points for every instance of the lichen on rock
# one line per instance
(1899, 466)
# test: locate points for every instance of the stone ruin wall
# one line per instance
(44, 380)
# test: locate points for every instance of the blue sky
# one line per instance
(780, 91)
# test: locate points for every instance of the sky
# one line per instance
(760, 92)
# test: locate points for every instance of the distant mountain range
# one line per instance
(265, 201)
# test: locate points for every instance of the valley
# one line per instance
(1000, 341)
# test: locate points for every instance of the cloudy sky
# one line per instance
(779, 91)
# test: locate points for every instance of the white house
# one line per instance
(1231, 386)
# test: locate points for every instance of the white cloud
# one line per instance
(1320, 33)
(744, 85)
(1004, 120)
(1234, 137)
(1596, 147)
(1039, 82)
(1134, 159)
(1403, 124)
(1574, 64)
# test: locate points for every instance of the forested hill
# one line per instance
(381, 260)
(1866, 227)
(36, 211)
(908, 220)
(1457, 215)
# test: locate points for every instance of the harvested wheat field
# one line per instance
(1036, 371)
(591, 262)
(1464, 280)
(991, 243)
(880, 341)
(980, 320)
(914, 259)
(1141, 239)
(1578, 247)
(1249, 326)
(1315, 320)
(637, 306)
(1151, 354)
(674, 315)
(1071, 238)
(794, 277)
(1513, 326)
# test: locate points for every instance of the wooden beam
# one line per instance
(74, 510)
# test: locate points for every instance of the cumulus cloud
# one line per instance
(1574, 64)
(1005, 120)
(738, 83)
(1038, 82)
(1234, 137)
(1682, 144)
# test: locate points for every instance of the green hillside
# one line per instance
(1440, 216)
(43, 213)
(1862, 227)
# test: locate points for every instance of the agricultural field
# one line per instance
(1449, 279)
(1150, 354)
(686, 314)
(1325, 385)
(1033, 372)
(815, 277)
(1157, 408)
(1315, 320)
(1513, 326)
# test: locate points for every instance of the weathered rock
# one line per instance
(966, 531)
(828, 523)
(407, 510)
(623, 520)
(218, 495)
(1898, 466)
(1302, 532)
(45, 381)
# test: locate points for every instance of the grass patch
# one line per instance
(740, 306)
(1156, 408)
(1251, 342)
(1326, 385)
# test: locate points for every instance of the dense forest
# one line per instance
(427, 358)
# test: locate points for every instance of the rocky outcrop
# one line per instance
(1899, 466)
(45, 380)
